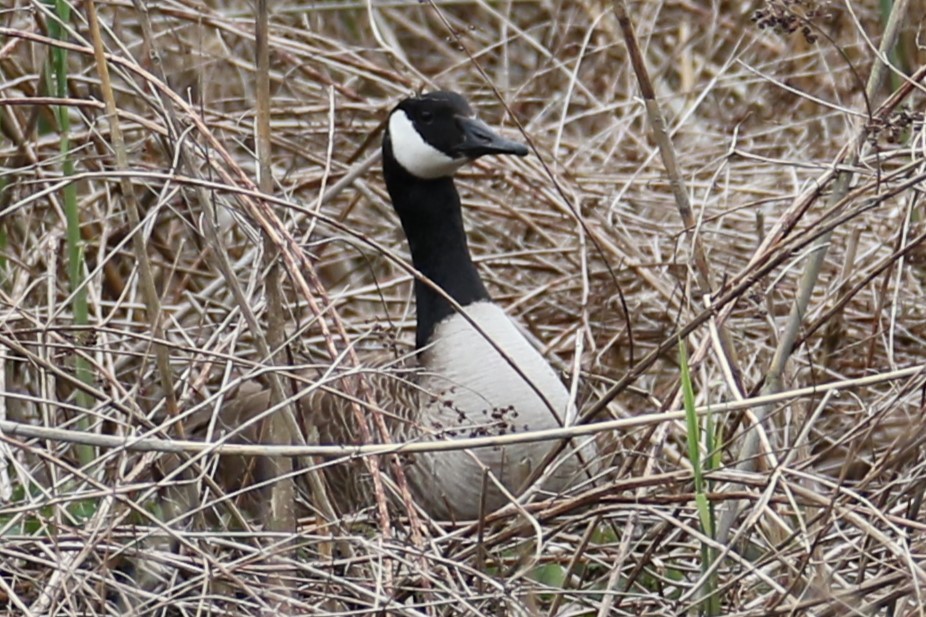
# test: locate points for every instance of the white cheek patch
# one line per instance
(414, 154)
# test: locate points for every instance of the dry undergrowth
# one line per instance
(583, 242)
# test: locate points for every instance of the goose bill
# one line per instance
(480, 140)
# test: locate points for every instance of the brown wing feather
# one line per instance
(324, 411)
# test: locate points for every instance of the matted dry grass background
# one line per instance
(581, 241)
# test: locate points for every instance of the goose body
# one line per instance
(473, 391)
(474, 373)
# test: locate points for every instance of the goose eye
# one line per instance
(426, 116)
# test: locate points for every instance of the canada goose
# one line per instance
(476, 372)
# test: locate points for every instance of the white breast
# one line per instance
(471, 391)
(471, 374)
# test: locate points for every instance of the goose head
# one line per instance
(432, 135)
(427, 139)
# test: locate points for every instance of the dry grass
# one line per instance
(583, 242)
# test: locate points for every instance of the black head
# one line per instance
(432, 135)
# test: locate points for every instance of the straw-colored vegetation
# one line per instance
(139, 262)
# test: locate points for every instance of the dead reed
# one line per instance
(157, 200)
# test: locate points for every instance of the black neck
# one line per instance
(433, 222)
